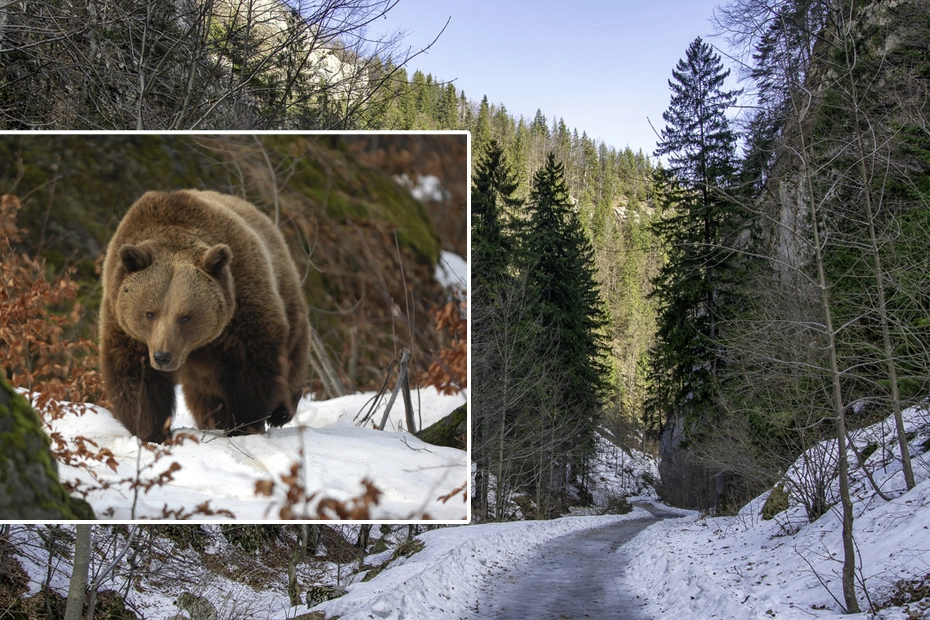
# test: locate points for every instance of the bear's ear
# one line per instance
(216, 258)
(135, 257)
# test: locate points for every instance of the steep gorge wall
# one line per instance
(892, 73)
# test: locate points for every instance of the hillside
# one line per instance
(224, 64)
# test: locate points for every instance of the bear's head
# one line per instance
(174, 301)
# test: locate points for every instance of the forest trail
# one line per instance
(574, 576)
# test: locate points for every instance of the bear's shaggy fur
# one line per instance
(199, 289)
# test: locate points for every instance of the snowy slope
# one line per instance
(621, 472)
(154, 587)
(744, 566)
(332, 457)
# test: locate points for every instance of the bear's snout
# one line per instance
(162, 359)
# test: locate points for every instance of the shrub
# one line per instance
(37, 316)
(448, 372)
(43, 353)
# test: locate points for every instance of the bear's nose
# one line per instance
(162, 358)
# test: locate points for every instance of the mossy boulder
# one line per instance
(449, 431)
(29, 485)
(776, 502)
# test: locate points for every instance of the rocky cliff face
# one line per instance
(684, 482)
(888, 62)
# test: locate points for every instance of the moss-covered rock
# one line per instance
(776, 502)
(29, 485)
(449, 431)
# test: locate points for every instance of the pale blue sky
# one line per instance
(601, 65)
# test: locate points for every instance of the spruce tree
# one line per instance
(498, 337)
(697, 215)
(481, 132)
(493, 194)
(559, 261)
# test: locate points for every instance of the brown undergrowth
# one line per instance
(448, 372)
(44, 356)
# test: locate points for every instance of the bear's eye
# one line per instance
(150, 316)
(185, 319)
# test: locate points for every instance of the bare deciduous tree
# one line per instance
(188, 64)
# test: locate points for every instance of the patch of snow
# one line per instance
(333, 456)
(427, 188)
(452, 271)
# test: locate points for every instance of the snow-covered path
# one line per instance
(577, 575)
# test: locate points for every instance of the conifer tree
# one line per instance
(499, 333)
(700, 150)
(492, 195)
(481, 132)
(448, 108)
(559, 260)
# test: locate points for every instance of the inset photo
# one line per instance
(234, 326)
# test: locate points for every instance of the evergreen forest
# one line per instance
(754, 289)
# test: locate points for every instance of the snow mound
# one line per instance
(321, 453)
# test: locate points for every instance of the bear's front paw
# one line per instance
(280, 416)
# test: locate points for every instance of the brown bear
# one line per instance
(199, 289)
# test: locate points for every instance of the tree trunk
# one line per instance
(865, 179)
(849, 550)
(300, 551)
(78, 587)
